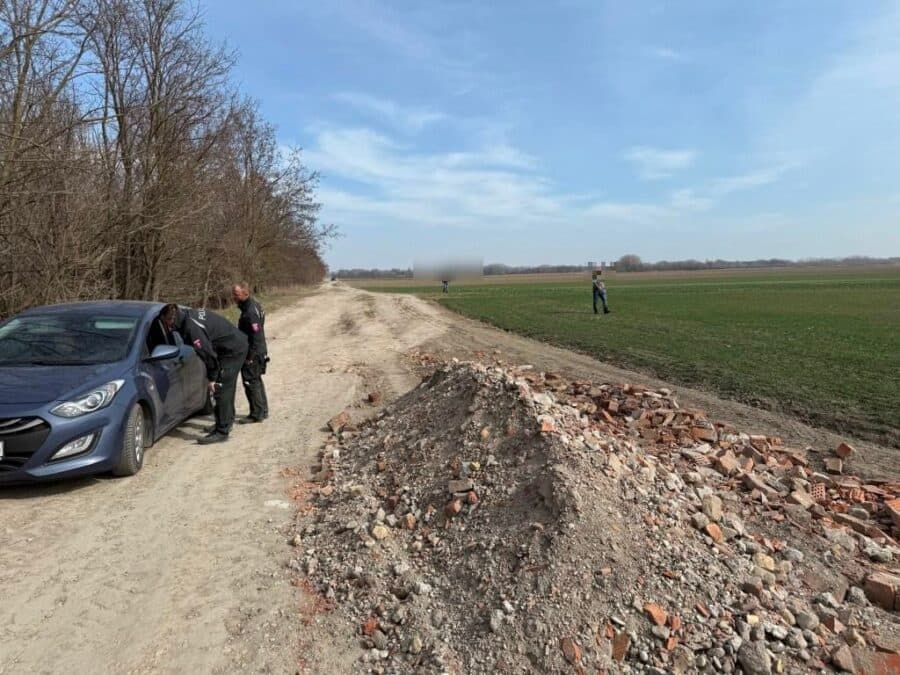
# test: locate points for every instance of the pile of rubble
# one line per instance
(497, 519)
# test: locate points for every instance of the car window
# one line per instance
(158, 335)
(65, 339)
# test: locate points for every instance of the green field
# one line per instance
(823, 344)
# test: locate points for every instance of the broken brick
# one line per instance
(571, 650)
(620, 645)
(727, 464)
(893, 508)
(338, 422)
(804, 499)
(834, 464)
(704, 432)
(818, 492)
(833, 624)
(844, 450)
(455, 486)
(714, 532)
(882, 589)
(656, 613)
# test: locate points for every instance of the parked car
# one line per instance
(86, 388)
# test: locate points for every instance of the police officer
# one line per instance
(253, 324)
(223, 349)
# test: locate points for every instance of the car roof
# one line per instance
(130, 308)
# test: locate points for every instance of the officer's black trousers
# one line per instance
(254, 388)
(229, 369)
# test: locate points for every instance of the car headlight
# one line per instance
(95, 400)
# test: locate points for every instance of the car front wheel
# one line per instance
(134, 443)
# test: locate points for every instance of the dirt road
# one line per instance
(183, 568)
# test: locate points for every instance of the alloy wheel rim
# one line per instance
(139, 437)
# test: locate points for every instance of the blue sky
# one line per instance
(559, 132)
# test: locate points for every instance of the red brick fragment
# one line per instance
(844, 450)
(714, 532)
(883, 589)
(656, 613)
(571, 650)
(620, 644)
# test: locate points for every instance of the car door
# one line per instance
(166, 376)
(192, 380)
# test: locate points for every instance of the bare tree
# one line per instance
(129, 169)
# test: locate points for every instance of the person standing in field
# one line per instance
(599, 289)
(252, 323)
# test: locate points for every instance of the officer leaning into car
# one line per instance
(222, 348)
(252, 323)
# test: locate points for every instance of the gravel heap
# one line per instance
(498, 519)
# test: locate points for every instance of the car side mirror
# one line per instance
(163, 352)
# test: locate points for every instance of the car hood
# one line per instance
(42, 384)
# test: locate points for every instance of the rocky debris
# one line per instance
(338, 422)
(883, 589)
(498, 519)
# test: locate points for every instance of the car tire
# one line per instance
(134, 443)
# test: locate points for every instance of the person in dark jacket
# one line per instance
(222, 348)
(252, 323)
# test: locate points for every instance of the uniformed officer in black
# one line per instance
(252, 323)
(223, 349)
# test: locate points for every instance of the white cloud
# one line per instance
(687, 199)
(492, 185)
(407, 118)
(753, 179)
(372, 180)
(668, 54)
(655, 163)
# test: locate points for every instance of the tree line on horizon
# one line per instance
(633, 263)
(130, 166)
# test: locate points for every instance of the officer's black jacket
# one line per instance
(253, 324)
(212, 336)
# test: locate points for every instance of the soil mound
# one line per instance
(496, 519)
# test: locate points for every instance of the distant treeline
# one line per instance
(359, 273)
(633, 263)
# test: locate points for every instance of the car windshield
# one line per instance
(65, 339)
